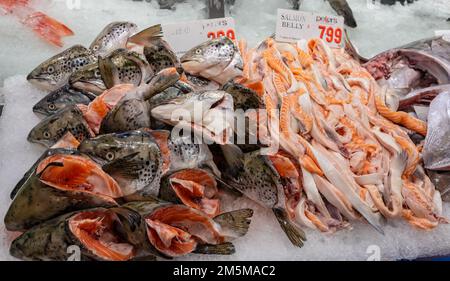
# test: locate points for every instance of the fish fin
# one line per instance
(108, 71)
(234, 157)
(147, 35)
(127, 167)
(221, 249)
(237, 222)
(295, 234)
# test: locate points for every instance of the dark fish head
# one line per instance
(110, 147)
(208, 54)
(53, 128)
(243, 97)
(160, 56)
(114, 36)
(124, 67)
(89, 79)
(59, 99)
(55, 72)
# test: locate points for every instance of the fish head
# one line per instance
(89, 79)
(193, 106)
(160, 55)
(115, 35)
(59, 99)
(54, 127)
(54, 73)
(110, 147)
(209, 54)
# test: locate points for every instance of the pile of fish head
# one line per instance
(218, 60)
(55, 72)
(59, 99)
(51, 129)
(114, 36)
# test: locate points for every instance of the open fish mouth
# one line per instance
(96, 231)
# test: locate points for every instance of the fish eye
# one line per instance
(46, 135)
(97, 73)
(51, 106)
(198, 51)
(109, 156)
(96, 47)
(50, 69)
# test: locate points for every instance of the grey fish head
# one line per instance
(207, 54)
(54, 73)
(110, 147)
(33, 244)
(54, 127)
(59, 99)
(89, 79)
(190, 105)
(160, 55)
(114, 36)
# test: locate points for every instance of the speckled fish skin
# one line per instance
(188, 153)
(51, 240)
(55, 72)
(61, 98)
(259, 181)
(218, 60)
(160, 55)
(37, 202)
(89, 79)
(128, 115)
(54, 127)
(114, 36)
(124, 67)
(30, 172)
(133, 159)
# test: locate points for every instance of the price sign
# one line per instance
(297, 25)
(184, 36)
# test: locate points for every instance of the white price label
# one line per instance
(186, 35)
(297, 25)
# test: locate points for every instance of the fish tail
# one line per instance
(147, 35)
(294, 234)
(221, 249)
(236, 222)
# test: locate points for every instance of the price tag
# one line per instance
(297, 25)
(186, 35)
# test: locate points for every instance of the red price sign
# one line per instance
(331, 34)
(230, 33)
